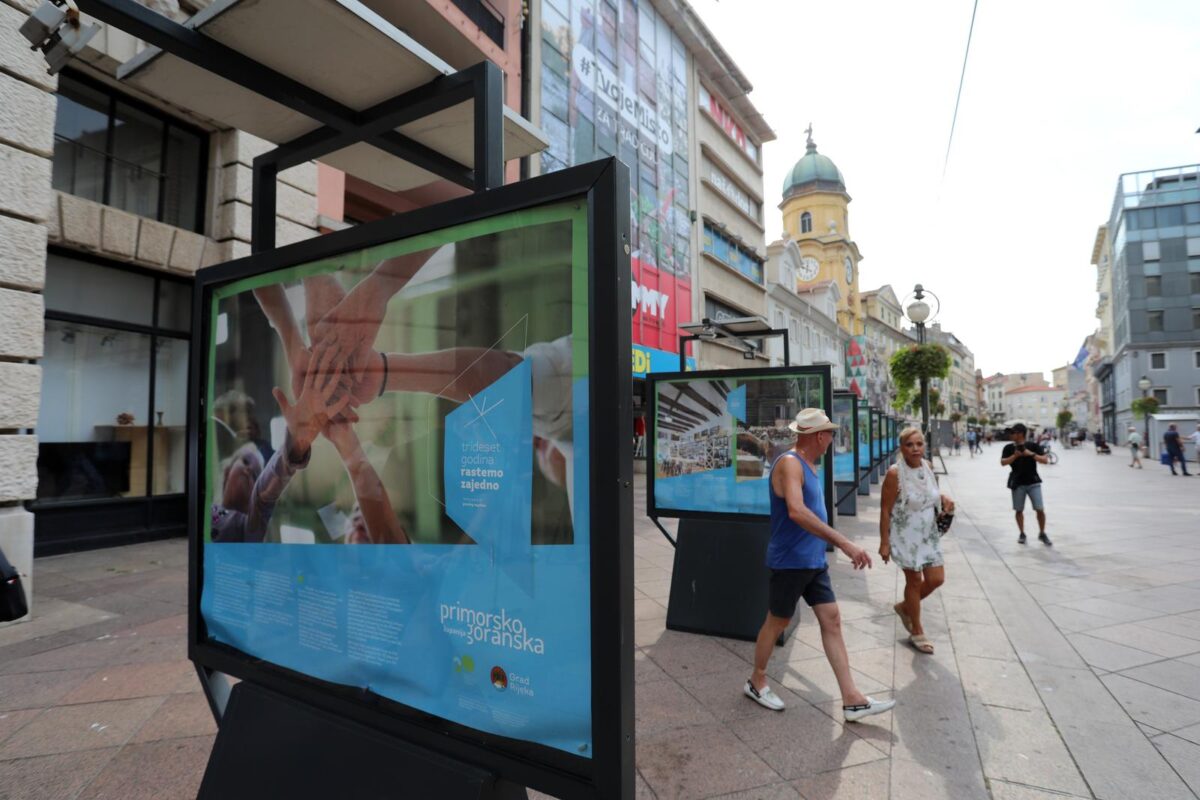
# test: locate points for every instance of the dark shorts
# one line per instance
(789, 585)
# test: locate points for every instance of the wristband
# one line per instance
(383, 386)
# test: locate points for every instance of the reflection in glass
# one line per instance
(93, 290)
(92, 426)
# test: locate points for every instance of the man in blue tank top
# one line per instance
(796, 558)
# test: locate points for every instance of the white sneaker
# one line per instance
(869, 709)
(764, 697)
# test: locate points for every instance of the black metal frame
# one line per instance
(652, 379)
(695, 337)
(604, 187)
(481, 84)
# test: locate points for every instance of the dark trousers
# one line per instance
(1174, 453)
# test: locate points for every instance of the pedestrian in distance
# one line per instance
(1174, 447)
(1194, 438)
(971, 442)
(909, 534)
(1022, 458)
(796, 558)
(1134, 440)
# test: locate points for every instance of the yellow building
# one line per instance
(815, 216)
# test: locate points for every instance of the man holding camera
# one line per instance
(1022, 458)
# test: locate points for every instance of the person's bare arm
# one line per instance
(278, 312)
(887, 502)
(322, 293)
(455, 374)
(377, 511)
(1004, 462)
(792, 475)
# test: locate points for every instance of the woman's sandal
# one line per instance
(905, 619)
(922, 644)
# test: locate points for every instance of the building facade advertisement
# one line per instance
(731, 191)
(401, 503)
(727, 123)
(614, 82)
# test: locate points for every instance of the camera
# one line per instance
(1020, 448)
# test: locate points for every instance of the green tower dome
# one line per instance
(813, 168)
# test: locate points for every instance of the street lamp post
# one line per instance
(918, 312)
(1144, 384)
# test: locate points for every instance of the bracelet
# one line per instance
(383, 386)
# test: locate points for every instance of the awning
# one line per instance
(339, 48)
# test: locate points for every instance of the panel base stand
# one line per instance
(864, 483)
(270, 745)
(848, 505)
(719, 580)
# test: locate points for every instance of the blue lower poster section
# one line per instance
(434, 627)
(843, 467)
(493, 635)
(718, 491)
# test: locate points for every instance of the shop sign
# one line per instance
(726, 122)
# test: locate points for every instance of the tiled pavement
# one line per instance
(1072, 671)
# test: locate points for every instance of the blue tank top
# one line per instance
(791, 546)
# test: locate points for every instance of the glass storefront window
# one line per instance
(92, 422)
(115, 151)
(170, 415)
(92, 290)
(103, 433)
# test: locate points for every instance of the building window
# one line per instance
(1150, 251)
(1196, 359)
(116, 151)
(806, 222)
(1153, 286)
(1154, 321)
(1194, 281)
(1160, 395)
(113, 418)
(1196, 319)
(1158, 361)
(1193, 246)
(732, 254)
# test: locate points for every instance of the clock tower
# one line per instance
(815, 216)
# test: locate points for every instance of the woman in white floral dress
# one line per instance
(908, 531)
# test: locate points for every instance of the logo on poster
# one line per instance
(499, 630)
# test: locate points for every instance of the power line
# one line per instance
(958, 98)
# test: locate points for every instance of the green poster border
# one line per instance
(573, 211)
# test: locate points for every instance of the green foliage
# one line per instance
(1143, 406)
(1063, 418)
(935, 397)
(972, 420)
(911, 364)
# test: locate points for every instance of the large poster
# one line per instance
(614, 82)
(845, 440)
(716, 438)
(397, 473)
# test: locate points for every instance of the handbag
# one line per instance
(944, 521)
(12, 593)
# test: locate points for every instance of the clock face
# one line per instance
(849, 270)
(809, 267)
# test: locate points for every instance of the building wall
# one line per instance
(34, 216)
(1032, 405)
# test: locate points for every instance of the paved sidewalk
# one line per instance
(1067, 671)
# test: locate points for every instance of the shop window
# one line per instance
(806, 222)
(113, 416)
(115, 151)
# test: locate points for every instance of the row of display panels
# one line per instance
(714, 436)
(408, 434)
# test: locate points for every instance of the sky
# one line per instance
(1060, 98)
